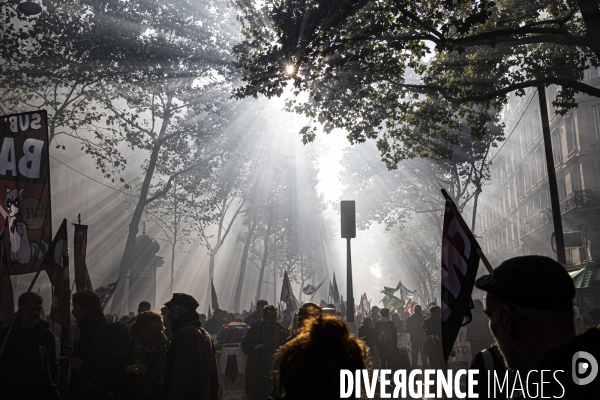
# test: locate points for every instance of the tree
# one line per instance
(282, 222)
(172, 215)
(366, 67)
(56, 60)
(408, 202)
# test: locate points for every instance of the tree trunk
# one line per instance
(264, 259)
(174, 241)
(475, 210)
(172, 266)
(302, 279)
(117, 302)
(242, 276)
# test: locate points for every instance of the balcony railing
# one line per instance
(577, 199)
(535, 222)
(580, 198)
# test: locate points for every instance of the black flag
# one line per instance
(459, 270)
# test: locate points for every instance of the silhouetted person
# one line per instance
(309, 365)
(387, 340)
(489, 359)
(215, 323)
(478, 330)
(366, 333)
(191, 365)
(139, 367)
(414, 326)
(594, 315)
(28, 367)
(400, 325)
(305, 312)
(257, 314)
(261, 342)
(530, 307)
(375, 314)
(433, 342)
(578, 322)
(95, 350)
(143, 306)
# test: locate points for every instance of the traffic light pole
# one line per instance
(349, 291)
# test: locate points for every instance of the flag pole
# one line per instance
(485, 260)
(319, 287)
(12, 324)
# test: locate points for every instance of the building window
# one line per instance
(570, 135)
(575, 182)
(596, 115)
(595, 75)
(556, 148)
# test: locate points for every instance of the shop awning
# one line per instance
(582, 278)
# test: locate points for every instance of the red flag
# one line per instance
(56, 265)
(213, 295)
(287, 294)
(105, 292)
(82, 277)
(459, 270)
(409, 307)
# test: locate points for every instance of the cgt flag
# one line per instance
(82, 277)
(287, 294)
(213, 295)
(56, 265)
(459, 270)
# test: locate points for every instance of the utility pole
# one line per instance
(554, 200)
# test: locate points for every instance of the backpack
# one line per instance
(385, 334)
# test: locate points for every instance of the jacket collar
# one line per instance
(188, 318)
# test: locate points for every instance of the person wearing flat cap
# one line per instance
(530, 309)
(191, 365)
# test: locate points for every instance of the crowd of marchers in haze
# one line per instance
(174, 354)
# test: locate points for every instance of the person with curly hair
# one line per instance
(309, 365)
(139, 367)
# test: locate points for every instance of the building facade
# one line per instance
(515, 216)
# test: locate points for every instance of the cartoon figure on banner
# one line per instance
(20, 216)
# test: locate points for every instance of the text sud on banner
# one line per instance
(26, 220)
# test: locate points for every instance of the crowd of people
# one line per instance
(528, 323)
